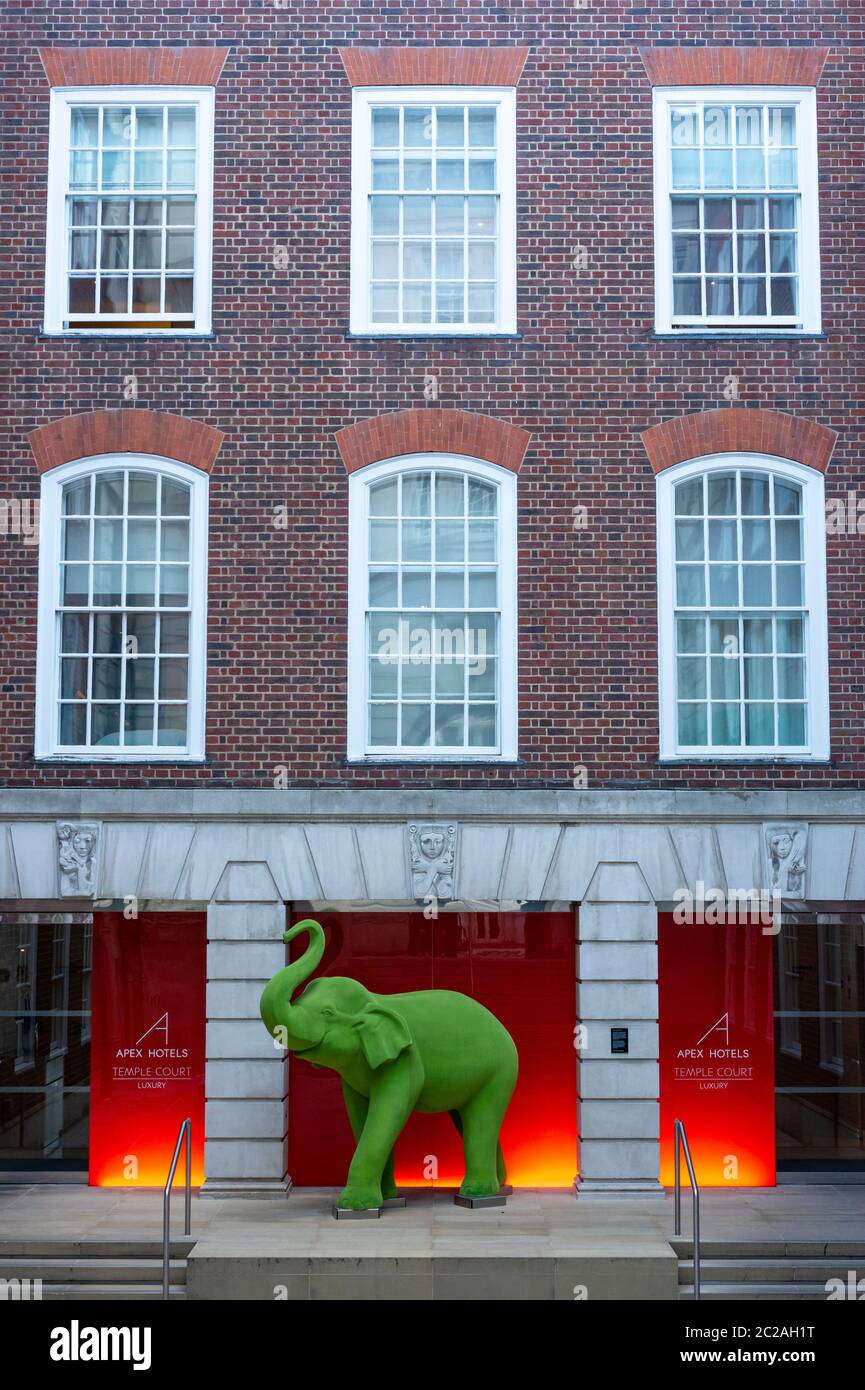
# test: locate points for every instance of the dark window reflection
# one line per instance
(820, 1040)
(45, 1002)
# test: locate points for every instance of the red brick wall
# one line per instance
(586, 375)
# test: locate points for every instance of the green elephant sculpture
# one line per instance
(430, 1050)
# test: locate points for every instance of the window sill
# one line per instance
(117, 335)
(88, 759)
(442, 760)
(743, 760)
(408, 334)
(744, 334)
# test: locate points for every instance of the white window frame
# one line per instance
(363, 100)
(47, 660)
(359, 485)
(809, 318)
(56, 276)
(816, 641)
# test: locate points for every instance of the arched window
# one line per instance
(742, 610)
(122, 596)
(432, 610)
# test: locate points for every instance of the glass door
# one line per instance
(45, 1012)
(820, 1044)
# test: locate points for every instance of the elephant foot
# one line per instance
(389, 1190)
(480, 1187)
(354, 1198)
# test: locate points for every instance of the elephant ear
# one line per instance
(383, 1034)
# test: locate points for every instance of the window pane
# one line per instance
(416, 589)
(173, 631)
(725, 677)
(108, 540)
(482, 726)
(725, 724)
(692, 725)
(759, 680)
(415, 726)
(85, 125)
(722, 494)
(107, 582)
(690, 586)
(105, 728)
(73, 725)
(173, 586)
(175, 498)
(689, 498)
(142, 494)
(791, 725)
(139, 679)
(691, 635)
(171, 726)
(760, 724)
(382, 725)
(138, 724)
(75, 629)
(108, 632)
(691, 678)
(723, 540)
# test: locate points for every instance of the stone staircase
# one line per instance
(91, 1270)
(772, 1270)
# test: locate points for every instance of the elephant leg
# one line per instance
(481, 1120)
(394, 1091)
(501, 1169)
(356, 1107)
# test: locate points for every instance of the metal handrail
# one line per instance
(680, 1141)
(184, 1132)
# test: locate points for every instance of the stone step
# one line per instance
(113, 1271)
(104, 1293)
(771, 1249)
(102, 1247)
(776, 1271)
(748, 1292)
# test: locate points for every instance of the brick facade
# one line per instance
(586, 376)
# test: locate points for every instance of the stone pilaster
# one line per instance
(246, 1143)
(617, 969)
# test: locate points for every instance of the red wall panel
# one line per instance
(520, 966)
(148, 1045)
(717, 1050)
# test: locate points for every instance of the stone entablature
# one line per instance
(356, 847)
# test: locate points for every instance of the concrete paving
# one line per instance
(541, 1245)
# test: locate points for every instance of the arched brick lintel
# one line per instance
(133, 67)
(125, 432)
(401, 66)
(734, 66)
(432, 432)
(737, 431)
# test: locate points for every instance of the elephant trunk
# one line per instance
(276, 997)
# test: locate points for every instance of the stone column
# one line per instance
(246, 1145)
(617, 969)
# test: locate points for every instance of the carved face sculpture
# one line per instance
(83, 844)
(431, 844)
(781, 844)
